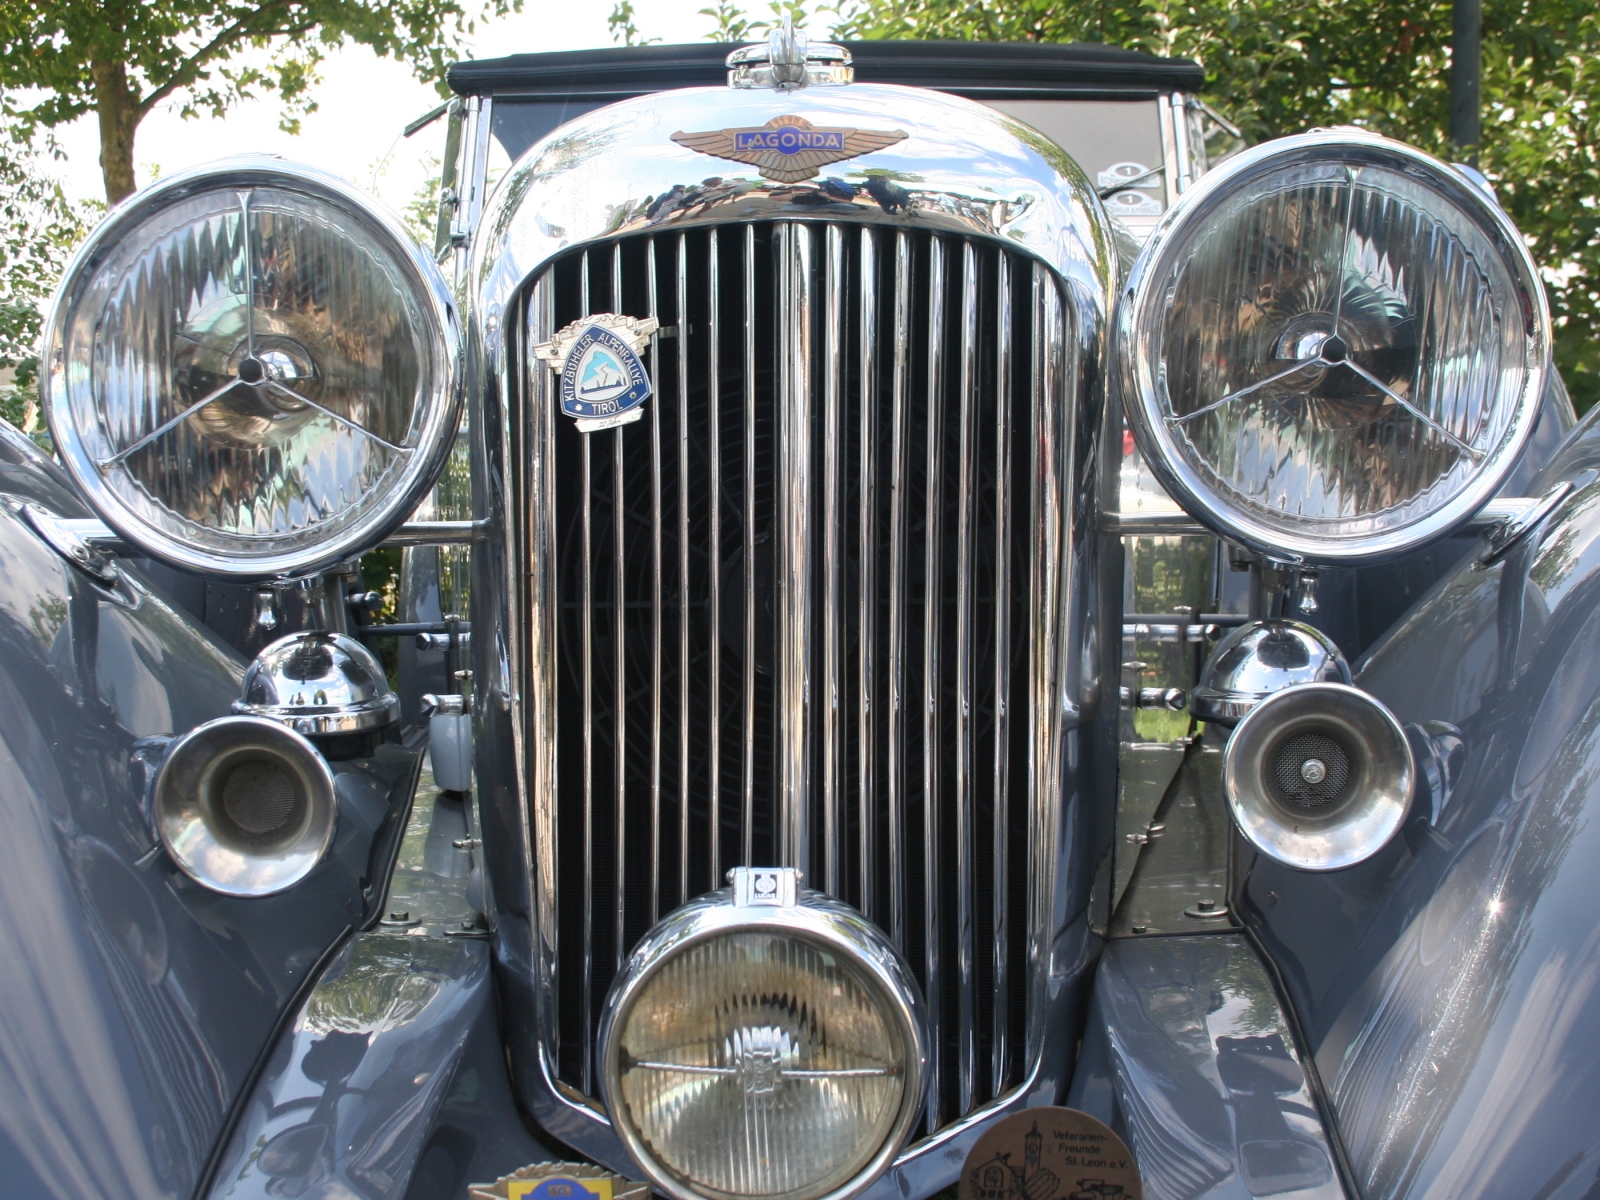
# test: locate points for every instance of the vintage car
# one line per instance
(936, 586)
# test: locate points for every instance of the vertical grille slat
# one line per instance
(899, 718)
(619, 645)
(833, 333)
(866, 590)
(933, 964)
(964, 783)
(653, 309)
(747, 807)
(788, 610)
(714, 565)
(587, 702)
(685, 584)
(792, 522)
(538, 770)
(1000, 1037)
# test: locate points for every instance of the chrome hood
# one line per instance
(962, 167)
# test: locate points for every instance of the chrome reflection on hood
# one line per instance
(962, 168)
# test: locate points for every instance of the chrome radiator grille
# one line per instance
(803, 612)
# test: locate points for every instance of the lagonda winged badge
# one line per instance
(789, 148)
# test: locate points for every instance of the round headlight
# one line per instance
(1334, 348)
(763, 1051)
(252, 371)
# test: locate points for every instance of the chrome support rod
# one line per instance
(794, 271)
(934, 967)
(1181, 140)
(899, 502)
(1002, 664)
(713, 401)
(965, 798)
(866, 618)
(438, 533)
(1177, 522)
(833, 334)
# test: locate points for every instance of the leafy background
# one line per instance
(1276, 67)
(39, 227)
(1273, 67)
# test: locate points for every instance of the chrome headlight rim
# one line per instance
(443, 401)
(1133, 372)
(815, 918)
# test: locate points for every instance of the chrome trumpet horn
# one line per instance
(1318, 776)
(245, 805)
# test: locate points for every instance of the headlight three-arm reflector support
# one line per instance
(252, 370)
(1333, 348)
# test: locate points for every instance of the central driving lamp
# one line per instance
(763, 1042)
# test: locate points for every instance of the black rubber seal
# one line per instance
(980, 70)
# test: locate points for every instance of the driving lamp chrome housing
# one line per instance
(1257, 660)
(252, 370)
(1333, 349)
(319, 683)
(763, 1041)
(1319, 776)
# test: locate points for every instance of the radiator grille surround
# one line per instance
(808, 611)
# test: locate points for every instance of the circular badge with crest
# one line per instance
(1049, 1154)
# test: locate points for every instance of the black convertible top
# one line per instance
(978, 70)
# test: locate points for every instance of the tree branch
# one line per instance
(190, 70)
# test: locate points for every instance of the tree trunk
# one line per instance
(118, 107)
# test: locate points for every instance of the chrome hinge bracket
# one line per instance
(65, 541)
(1502, 537)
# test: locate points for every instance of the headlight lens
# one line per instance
(252, 370)
(1334, 349)
(762, 1062)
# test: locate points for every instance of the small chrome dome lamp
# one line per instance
(319, 684)
(1260, 659)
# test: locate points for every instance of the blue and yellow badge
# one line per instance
(560, 1187)
(560, 1181)
(600, 377)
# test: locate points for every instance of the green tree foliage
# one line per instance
(119, 59)
(623, 26)
(39, 227)
(1280, 66)
(730, 23)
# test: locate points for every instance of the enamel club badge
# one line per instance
(599, 374)
(789, 148)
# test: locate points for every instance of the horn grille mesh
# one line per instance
(1291, 785)
(259, 797)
